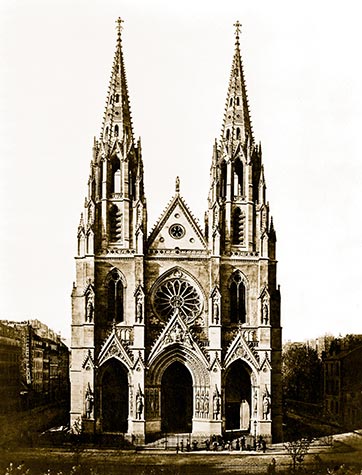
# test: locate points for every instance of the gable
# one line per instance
(177, 228)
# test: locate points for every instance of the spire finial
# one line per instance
(237, 29)
(177, 185)
(119, 22)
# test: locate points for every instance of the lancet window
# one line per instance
(115, 298)
(237, 299)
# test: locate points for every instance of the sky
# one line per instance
(302, 64)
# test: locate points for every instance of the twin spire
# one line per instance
(117, 120)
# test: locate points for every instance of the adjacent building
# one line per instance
(343, 384)
(34, 365)
(176, 330)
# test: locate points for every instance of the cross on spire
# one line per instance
(119, 22)
(237, 28)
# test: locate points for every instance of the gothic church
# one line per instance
(176, 331)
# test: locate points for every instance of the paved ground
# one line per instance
(347, 449)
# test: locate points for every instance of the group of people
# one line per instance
(216, 443)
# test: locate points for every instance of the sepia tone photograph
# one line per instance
(180, 237)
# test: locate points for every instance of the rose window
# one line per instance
(177, 294)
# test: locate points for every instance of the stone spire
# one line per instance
(236, 127)
(117, 120)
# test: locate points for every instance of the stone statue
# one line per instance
(266, 406)
(216, 404)
(265, 314)
(89, 402)
(89, 310)
(139, 405)
(139, 309)
(215, 310)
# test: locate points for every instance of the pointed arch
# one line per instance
(223, 169)
(115, 296)
(237, 291)
(238, 175)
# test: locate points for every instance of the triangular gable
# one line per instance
(266, 365)
(240, 349)
(139, 364)
(189, 235)
(114, 348)
(176, 332)
(216, 364)
(88, 362)
(264, 293)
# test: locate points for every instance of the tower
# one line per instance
(178, 331)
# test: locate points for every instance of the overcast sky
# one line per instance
(302, 62)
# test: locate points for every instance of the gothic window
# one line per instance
(238, 132)
(117, 97)
(237, 299)
(106, 134)
(115, 298)
(238, 227)
(227, 134)
(223, 180)
(231, 101)
(115, 178)
(177, 293)
(239, 177)
(116, 129)
(237, 101)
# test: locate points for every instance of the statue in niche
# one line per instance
(265, 314)
(206, 404)
(89, 402)
(89, 310)
(216, 404)
(266, 405)
(197, 403)
(139, 404)
(139, 309)
(216, 309)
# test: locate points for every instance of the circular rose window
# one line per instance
(177, 295)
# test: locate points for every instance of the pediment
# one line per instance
(239, 348)
(176, 332)
(177, 228)
(113, 348)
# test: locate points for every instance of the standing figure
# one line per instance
(139, 405)
(217, 404)
(139, 309)
(266, 406)
(89, 400)
(89, 310)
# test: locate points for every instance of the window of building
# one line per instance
(115, 297)
(237, 299)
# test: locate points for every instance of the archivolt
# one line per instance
(198, 370)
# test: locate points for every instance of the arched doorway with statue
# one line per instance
(238, 396)
(176, 399)
(114, 396)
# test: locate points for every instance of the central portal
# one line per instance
(176, 399)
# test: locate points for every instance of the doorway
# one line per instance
(238, 397)
(114, 398)
(176, 399)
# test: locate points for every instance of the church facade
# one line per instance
(178, 330)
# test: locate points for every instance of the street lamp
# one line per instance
(255, 424)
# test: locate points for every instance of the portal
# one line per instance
(114, 398)
(237, 397)
(176, 399)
